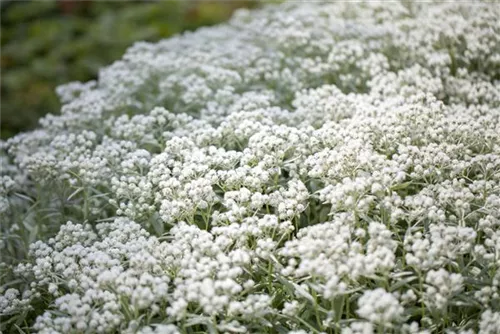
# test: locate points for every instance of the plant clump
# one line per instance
(304, 168)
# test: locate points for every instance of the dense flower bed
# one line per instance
(305, 168)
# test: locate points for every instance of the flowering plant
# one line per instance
(304, 168)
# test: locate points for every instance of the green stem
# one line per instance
(85, 204)
(316, 313)
(421, 286)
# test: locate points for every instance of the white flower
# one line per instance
(379, 307)
(442, 286)
(490, 322)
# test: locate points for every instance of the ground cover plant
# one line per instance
(304, 168)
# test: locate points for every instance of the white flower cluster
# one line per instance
(379, 307)
(304, 168)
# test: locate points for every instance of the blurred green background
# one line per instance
(48, 43)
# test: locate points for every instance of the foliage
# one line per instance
(47, 43)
